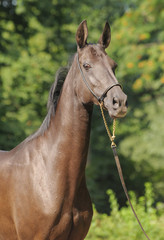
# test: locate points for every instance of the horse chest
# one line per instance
(54, 216)
(71, 218)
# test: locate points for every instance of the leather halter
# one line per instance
(101, 98)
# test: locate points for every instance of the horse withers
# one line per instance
(43, 193)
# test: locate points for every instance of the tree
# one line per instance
(137, 46)
(36, 38)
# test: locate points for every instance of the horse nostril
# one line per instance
(115, 102)
(126, 103)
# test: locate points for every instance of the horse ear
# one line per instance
(82, 34)
(105, 37)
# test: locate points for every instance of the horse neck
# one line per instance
(67, 138)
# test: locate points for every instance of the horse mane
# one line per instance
(55, 89)
(53, 98)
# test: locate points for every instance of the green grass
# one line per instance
(122, 225)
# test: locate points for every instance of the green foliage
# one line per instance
(121, 224)
(137, 46)
(142, 69)
(36, 39)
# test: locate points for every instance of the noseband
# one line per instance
(101, 98)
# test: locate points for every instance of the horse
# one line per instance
(43, 192)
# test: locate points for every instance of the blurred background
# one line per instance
(37, 37)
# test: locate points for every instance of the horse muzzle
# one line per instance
(116, 104)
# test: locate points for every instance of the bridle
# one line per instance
(101, 98)
(112, 137)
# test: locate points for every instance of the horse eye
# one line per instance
(87, 66)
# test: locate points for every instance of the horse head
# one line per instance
(98, 72)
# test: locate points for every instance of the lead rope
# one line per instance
(111, 137)
(113, 146)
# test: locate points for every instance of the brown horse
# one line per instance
(43, 193)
